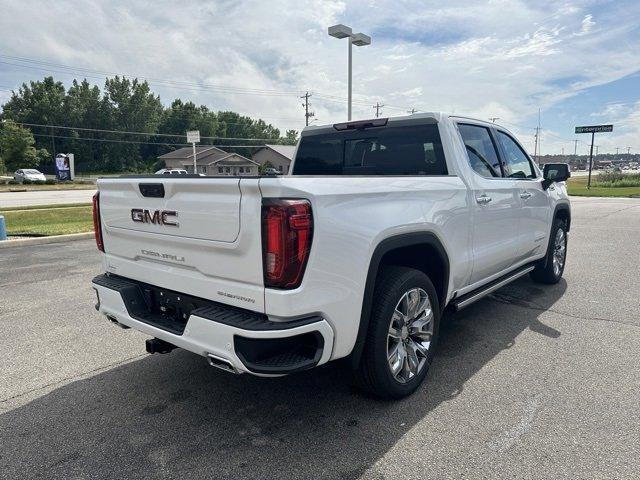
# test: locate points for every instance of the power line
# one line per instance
(25, 62)
(148, 134)
(107, 140)
(177, 84)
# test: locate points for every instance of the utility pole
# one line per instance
(628, 150)
(535, 145)
(493, 119)
(575, 147)
(617, 148)
(563, 151)
(307, 113)
(378, 106)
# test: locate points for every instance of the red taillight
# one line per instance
(287, 230)
(97, 228)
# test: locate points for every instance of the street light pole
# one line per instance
(357, 39)
(350, 77)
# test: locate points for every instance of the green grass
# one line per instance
(48, 221)
(578, 186)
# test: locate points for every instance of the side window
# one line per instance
(481, 151)
(517, 164)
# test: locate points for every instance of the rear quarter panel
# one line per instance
(352, 215)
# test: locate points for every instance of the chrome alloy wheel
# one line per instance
(559, 251)
(410, 332)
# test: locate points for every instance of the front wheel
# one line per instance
(402, 333)
(549, 270)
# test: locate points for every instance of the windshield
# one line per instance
(32, 172)
(377, 151)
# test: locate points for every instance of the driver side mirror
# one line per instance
(555, 172)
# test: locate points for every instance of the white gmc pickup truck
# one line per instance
(381, 225)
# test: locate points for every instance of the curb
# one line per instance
(23, 242)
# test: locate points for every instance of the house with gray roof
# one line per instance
(210, 160)
(279, 156)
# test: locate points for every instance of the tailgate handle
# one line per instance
(154, 190)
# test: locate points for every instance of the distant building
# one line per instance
(210, 161)
(280, 156)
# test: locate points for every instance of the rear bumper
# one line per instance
(247, 340)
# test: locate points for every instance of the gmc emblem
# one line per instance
(157, 217)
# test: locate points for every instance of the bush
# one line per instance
(618, 180)
(12, 182)
(50, 181)
(26, 181)
(39, 182)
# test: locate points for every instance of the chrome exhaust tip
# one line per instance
(221, 363)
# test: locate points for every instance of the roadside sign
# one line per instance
(193, 136)
(594, 129)
(63, 169)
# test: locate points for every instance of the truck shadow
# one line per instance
(174, 416)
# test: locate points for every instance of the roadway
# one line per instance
(531, 382)
(44, 197)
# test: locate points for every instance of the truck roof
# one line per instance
(415, 119)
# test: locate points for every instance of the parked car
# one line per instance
(271, 171)
(382, 225)
(28, 174)
(171, 171)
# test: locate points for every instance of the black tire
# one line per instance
(374, 373)
(545, 271)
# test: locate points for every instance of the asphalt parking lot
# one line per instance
(531, 382)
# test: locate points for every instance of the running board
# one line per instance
(467, 299)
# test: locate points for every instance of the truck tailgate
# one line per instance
(199, 236)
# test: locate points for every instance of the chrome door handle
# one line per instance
(525, 195)
(483, 199)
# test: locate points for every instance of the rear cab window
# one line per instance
(402, 151)
(481, 150)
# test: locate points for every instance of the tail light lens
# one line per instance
(287, 230)
(97, 227)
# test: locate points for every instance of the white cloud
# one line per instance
(497, 58)
(587, 24)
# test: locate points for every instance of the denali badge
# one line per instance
(157, 217)
(166, 256)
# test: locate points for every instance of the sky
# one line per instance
(578, 63)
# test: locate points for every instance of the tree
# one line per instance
(38, 103)
(291, 138)
(17, 147)
(80, 121)
(83, 106)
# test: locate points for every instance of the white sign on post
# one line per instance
(193, 137)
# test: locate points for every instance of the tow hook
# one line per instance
(155, 345)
